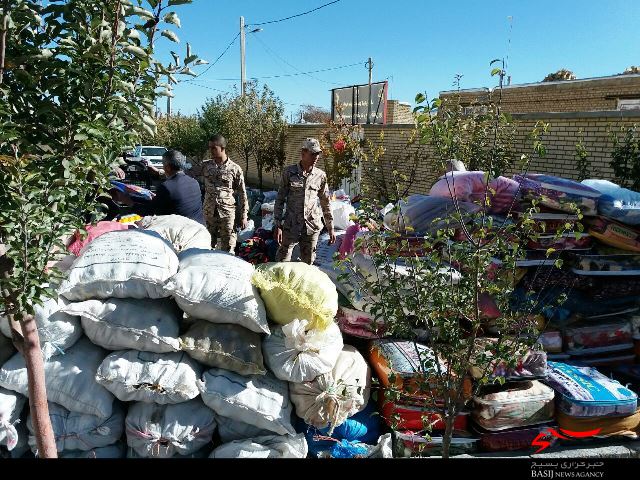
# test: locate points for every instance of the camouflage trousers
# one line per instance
(308, 244)
(222, 229)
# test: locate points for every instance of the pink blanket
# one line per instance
(93, 232)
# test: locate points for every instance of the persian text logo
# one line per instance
(544, 438)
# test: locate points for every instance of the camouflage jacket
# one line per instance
(301, 193)
(221, 182)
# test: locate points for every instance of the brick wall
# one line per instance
(399, 113)
(598, 94)
(559, 142)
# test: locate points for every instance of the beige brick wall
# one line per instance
(398, 113)
(559, 142)
(569, 96)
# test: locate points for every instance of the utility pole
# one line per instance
(369, 65)
(168, 106)
(242, 65)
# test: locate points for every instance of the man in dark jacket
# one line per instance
(179, 194)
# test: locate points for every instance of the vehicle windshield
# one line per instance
(153, 151)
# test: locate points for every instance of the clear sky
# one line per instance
(418, 45)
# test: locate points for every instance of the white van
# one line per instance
(152, 154)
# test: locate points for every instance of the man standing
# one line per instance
(222, 179)
(178, 194)
(302, 186)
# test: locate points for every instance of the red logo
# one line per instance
(540, 440)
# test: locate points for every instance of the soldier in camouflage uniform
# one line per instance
(222, 179)
(301, 187)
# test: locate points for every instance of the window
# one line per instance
(629, 104)
(153, 151)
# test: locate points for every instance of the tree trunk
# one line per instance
(29, 346)
(24, 332)
(448, 433)
(3, 37)
(260, 176)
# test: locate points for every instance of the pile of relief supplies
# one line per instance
(157, 346)
(588, 347)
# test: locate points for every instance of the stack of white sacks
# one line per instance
(157, 341)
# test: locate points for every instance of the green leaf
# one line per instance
(170, 35)
(141, 12)
(135, 50)
(178, 2)
(496, 71)
(420, 97)
(172, 18)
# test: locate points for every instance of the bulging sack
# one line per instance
(333, 397)
(77, 431)
(271, 446)
(57, 330)
(422, 214)
(117, 450)
(259, 400)
(182, 232)
(297, 354)
(216, 286)
(120, 324)
(295, 290)
(70, 379)
(11, 406)
(127, 264)
(230, 347)
(150, 377)
(162, 431)
(230, 430)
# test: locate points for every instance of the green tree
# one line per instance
(256, 127)
(214, 116)
(179, 132)
(625, 156)
(583, 164)
(78, 81)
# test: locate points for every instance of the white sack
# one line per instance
(295, 354)
(182, 232)
(150, 377)
(11, 406)
(230, 430)
(259, 400)
(271, 446)
(333, 397)
(70, 379)
(121, 264)
(216, 286)
(120, 324)
(77, 431)
(162, 431)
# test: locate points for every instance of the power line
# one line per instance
(287, 74)
(229, 91)
(210, 88)
(217, 59)
(276, 58)
(292, 16)
(292, 66)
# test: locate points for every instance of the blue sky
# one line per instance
(418, 45)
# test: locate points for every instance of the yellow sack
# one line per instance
(295, 290)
